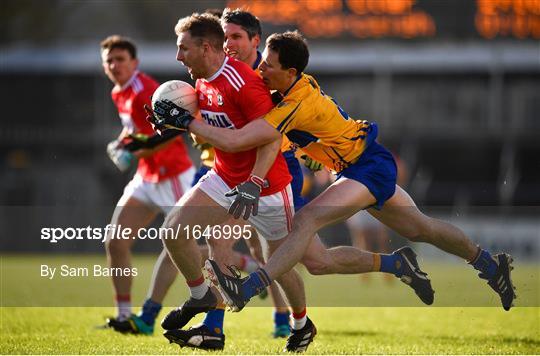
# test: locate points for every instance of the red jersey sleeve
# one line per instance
(138, 113)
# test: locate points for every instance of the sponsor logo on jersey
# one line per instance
(217, 119)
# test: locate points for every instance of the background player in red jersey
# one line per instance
(230, 96)
(164, 173)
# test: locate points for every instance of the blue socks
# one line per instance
(150, 311)
(485, 264)
(392, 264)
(281, 318)
(214, 320)
(255, 283)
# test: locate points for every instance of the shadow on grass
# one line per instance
(525, 341)
(351, 333)
(522, 340)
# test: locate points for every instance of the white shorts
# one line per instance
(275, 214)
(162, 195)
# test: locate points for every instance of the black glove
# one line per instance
(153, 120)
(171, 116)
(247, 197)
(134, 143)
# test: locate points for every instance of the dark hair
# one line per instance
(249, 22)
(117, 41)
(291, 48)
(202, 26)
(214, 11)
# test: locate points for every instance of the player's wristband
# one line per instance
(261, 183)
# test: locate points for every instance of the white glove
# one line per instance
(121, 157)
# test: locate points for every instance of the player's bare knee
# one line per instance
(316, 268)
(172, 242)
(218, 243)
(170, 233)
(287, 279)
(420, 233)
(117, 247)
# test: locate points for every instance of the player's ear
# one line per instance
(206, 47)
(292, 72)
(256, 40)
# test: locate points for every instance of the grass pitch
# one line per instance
(41, 316)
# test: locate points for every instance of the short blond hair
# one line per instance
(202, 27)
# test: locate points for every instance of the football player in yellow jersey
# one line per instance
(366, 180)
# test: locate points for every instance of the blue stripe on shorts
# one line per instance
(297, 179)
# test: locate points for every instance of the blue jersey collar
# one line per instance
(257, 61)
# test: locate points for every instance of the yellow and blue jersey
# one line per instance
(315, 123)
(207, 156)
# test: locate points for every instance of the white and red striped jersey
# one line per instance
(231, 98)
(129, 100)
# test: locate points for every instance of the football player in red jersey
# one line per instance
(164, 173)
(231, 95)
(242, 37)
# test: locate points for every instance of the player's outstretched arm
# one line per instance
(257, 133)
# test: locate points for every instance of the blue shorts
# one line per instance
(297, 179)
(199, 174)
(377, 170)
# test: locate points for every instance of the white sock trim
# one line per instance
(298, 324)
(199, 291)
(124, 310)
